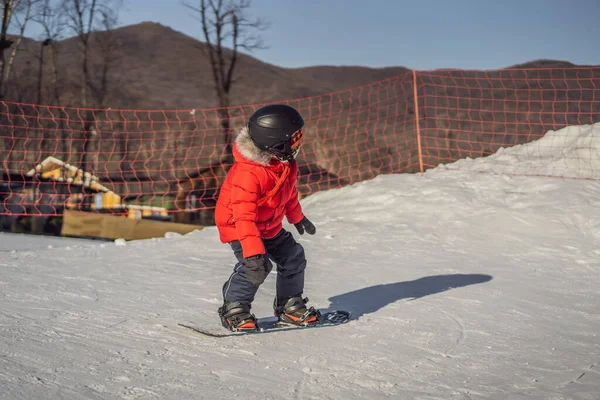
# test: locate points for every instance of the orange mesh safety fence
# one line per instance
(543, 115)
(172, 162)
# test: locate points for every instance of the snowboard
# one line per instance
(270, 324)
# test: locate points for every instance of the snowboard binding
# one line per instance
(295, 312)
(236, 317)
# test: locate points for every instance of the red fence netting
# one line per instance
(172, 162)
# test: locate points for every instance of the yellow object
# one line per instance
(81, 224)
(57, 170)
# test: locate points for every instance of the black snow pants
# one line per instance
(291, 263)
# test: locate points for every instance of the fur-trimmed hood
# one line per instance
(248, 149)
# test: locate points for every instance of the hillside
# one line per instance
(365, 124)
(156, 67)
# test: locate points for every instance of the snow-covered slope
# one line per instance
(570, 152)
(463, 286)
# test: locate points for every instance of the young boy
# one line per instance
(260, 190)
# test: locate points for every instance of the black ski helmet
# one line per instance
(274, 128)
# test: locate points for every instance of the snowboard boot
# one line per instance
(294, 311)
(237, 317)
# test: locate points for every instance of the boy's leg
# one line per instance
(291, 263)
(238, 289)
(238, 295)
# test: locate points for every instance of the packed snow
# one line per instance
(570, 152)
(462, 286)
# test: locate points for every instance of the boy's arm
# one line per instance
(297, 217)
(293, 209)
(245, 193)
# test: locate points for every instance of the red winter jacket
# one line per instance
(258, 192)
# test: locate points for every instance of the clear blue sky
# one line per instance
(419, 34)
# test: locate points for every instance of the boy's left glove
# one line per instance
(305, 225)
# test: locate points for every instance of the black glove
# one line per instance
(305, 225)
(257, 269)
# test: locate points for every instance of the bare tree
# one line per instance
(106, 45)
(224, 22)
(83, 17)
(8, 8)
(50, 20)
(16, 14)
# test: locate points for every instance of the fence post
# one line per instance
(417, 121)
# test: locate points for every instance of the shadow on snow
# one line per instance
(370, 299)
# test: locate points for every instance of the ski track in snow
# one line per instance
(463, 286)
